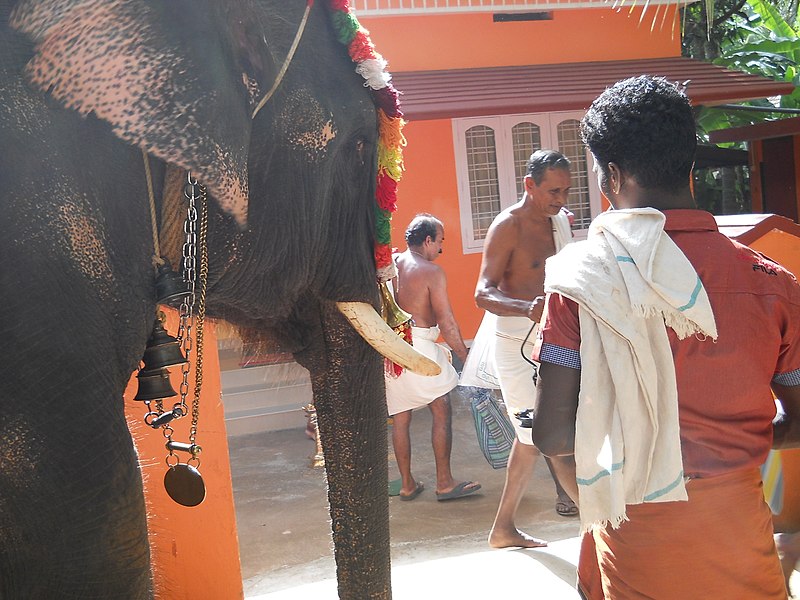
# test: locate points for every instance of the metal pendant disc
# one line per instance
(184, 484)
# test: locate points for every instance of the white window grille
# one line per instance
(571, 146)
(484, 191)
(525, 139)
(491, 157)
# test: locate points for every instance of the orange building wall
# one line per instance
(782, 247)
(429, 185)
(195, 551)
(462, 41)
(472, 40)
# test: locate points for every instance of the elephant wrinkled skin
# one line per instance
(84, 86)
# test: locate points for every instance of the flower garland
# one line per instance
(372, 67)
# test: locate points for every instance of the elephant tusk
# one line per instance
(370, 326)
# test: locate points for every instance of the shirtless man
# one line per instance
(421, 290)
(511, 285)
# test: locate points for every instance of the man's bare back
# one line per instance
(421, 290)
(415, 277)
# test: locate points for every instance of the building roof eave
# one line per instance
(757, 131)
(459, 93)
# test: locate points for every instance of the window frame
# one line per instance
(502, 126)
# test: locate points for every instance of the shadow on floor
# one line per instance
(438, 547)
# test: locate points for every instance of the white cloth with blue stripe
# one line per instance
(629, 279)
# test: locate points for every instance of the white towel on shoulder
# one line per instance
(562, 230)
(629, 279)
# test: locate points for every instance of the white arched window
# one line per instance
(484, 191)
(491, 156)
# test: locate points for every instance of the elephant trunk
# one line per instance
(369, 325)
(349, 396)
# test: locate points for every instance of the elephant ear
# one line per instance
(164, 75)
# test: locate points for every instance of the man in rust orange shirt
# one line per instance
(713, 537)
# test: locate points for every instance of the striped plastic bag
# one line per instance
(495, 431)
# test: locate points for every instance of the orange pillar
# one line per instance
(195, 551)
(784, 248)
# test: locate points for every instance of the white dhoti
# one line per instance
(480, 370)
(513, 371)
(409, 390)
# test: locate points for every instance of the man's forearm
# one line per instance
(786, 425)
(785, 433)
(452, 335)
(493, 300)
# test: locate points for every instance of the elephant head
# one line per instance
(288, 150)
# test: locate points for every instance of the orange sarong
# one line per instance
(719, 544)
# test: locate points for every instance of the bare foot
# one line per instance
(514, 539)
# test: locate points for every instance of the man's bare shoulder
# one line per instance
(417, 267)
(430, 270)
(509, 215)
(506, 226)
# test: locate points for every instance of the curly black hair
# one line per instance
(646, 126)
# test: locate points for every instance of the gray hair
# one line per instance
(541, 160)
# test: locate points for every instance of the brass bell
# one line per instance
(162, 350)
(171, 289)
(154, 384)
(391, 313)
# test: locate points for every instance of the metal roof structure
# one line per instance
(456, 93)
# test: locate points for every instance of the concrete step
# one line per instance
(265, 398)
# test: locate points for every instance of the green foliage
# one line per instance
(753, 36)
(772, 19)
(761, 37)
(705, 42)
(723, 191)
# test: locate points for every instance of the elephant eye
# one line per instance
(360, 150)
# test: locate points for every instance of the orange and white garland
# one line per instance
(372, 67)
